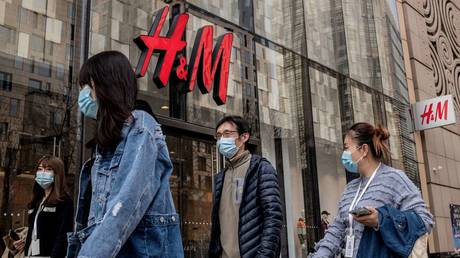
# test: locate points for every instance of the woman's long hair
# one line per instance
(114, 81)
(59, 191)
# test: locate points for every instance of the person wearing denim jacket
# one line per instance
(131, 212)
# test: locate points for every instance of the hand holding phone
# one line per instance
(14, 235)
(361, 211)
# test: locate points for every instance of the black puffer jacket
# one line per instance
(260, 212)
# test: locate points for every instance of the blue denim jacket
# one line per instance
(132, 212)
(398, 231)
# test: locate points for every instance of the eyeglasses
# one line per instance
(225, 134)
(354, 148)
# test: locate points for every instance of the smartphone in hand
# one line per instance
(361, 211)
(14, 235)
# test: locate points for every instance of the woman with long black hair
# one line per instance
(131, 212)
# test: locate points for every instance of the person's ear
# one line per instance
(244, 137)
(365, 150)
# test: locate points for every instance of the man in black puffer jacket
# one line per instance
(246, 215)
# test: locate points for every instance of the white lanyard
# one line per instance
(34, 247)
(35, 231)
(357, 199)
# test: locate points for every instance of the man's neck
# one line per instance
(239, 153)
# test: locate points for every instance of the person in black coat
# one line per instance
(50, 212)
(246, 215)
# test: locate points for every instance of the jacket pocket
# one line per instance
(162, 235)
(400, 223)
(115, 162)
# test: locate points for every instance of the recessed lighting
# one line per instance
(164, 107)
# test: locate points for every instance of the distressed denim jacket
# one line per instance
(132, 212)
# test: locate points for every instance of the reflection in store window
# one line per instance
(60, 71)
(273, 20)
(37, 43)
(191, 187)
(14, 107)
(7, 35)
(23, 45)
(113, 26)
(362, 48)
(279, 134)
(325, 33)
(38, 6)
(202, 109)
(34, 85)
(44, 68)
(53, 30)
(48, 48)
(3, 131)
(328, 138)
(5, 81)
(395, 141)
(31, 50)
(362, 106)
(228, 9)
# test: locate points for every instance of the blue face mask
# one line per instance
(227, 147)
(44, 178)
(348, 163)
(87, 105)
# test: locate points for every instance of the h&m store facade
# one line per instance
(300, 71)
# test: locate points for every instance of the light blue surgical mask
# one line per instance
(45, 178)
(227, 147)
(87, 104)
(348, 163)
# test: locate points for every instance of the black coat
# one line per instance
(260, 213)
(53, 224)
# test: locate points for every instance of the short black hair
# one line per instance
(145, 106)
(241, 124)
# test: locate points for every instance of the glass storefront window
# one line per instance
(195, 162)
(390, 50)
(395, 141)
(279, 135)
(347, 42)
(272, 20)
(34, 98)
(113, 26)
(328, 139)
(325, 33)
(229, 9)
(363, 108)
(202, 109)
(362, 49)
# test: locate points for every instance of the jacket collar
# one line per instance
(239, 160)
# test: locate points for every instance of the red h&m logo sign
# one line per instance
(208, 67)
(433, 113)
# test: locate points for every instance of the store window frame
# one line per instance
(3, 131)
(34, 85)
(15, 108)
(6, 81)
